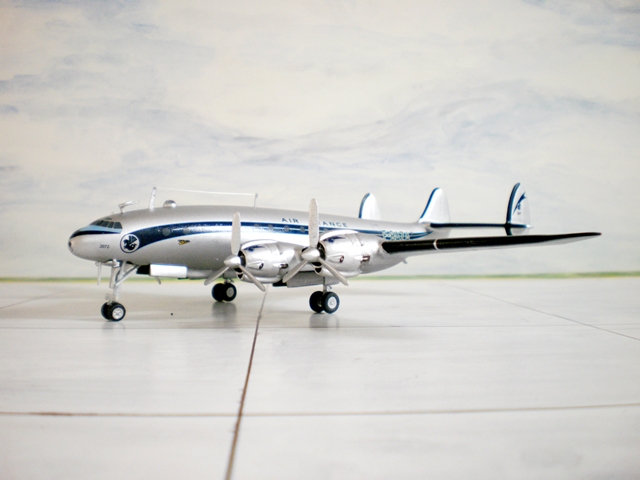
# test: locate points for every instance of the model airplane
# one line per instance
(280, 247)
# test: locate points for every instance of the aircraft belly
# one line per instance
(200, 252)
(380, 262)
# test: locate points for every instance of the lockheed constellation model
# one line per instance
(280, 247)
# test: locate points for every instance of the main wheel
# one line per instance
(104, 310)
(217, 292)
(330, 302)
(116, 312)
(315, 302)
(229, 292)
(224, 292)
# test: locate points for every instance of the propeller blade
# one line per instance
(253, 279)
(314, 224)
(215, 275)
(333, 271)
(235, 234)
(294, 271)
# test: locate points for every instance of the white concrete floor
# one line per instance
(464, 379)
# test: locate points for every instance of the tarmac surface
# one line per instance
(438, 379)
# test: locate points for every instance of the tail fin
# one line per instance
(518, 216)
(437, 209)
(369, 209)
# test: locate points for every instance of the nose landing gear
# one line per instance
(113, 311)
(120, 271)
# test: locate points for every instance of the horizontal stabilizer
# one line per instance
(480, 243)
(518, 217)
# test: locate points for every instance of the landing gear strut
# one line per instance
(120, 271)
(224, 292)
(324, 301)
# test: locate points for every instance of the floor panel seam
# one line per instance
(327, 414)
(546, 313)
(236, 431)
(37, 298)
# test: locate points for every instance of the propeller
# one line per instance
(312, 253)
(234, 261)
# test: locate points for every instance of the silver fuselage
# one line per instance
(198, 237)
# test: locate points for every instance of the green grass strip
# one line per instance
(502, 276)
(359, 278)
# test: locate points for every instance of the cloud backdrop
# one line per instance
(99, 101)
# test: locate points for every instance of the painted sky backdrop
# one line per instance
(100, 101)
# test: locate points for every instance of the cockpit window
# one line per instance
(107, 223)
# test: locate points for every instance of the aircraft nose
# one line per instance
(72, 242)
(78, 245)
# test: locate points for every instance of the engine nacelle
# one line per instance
(347, 252)
(267, 260)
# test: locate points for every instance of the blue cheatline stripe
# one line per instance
(96, 228)
(150, 235)
(86, 231)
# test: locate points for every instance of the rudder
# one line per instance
(437, 209)
(369, 209)
(518, 215)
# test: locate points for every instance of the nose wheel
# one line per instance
(113, 311)
(324, 302)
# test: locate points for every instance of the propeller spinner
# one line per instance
(314, 252)
(235, 260)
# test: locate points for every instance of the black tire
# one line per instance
(104, 310)
(315, 302)
(117, 312)
(330, 302)
(230, 292)
(218, 292)
(224, 292)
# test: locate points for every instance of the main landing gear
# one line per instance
(324, 302)
(224, 292)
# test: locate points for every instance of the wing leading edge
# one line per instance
(480, 243)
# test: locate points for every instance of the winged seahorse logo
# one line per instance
(129, 243)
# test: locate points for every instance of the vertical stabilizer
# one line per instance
(437, 209)
(369, 209)
(518, 216)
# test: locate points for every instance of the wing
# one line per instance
(480, 243)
